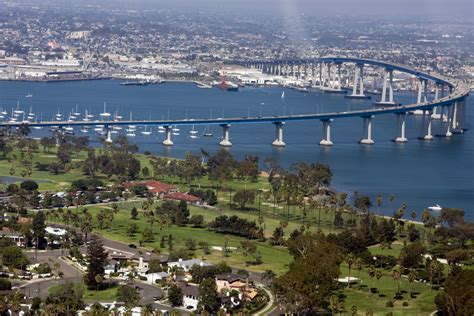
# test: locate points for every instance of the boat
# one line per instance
(29, 95)
(131, 134)
(76, 112)
(161, 129)
(136, 83)
(58, 116)
(146, 131)
(435, 208)
(85, 129)
(228, 86)
(104, 114)
(193, 132)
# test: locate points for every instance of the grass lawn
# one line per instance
(108, 294)
(274, 258)
(360, 296)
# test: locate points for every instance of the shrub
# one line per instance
(405, 304)
(5, 284)
(29, 185)
(389, 304)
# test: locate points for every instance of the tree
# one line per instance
(175, 295)
(249, 249)
(38, 227)
(305, 289)
(208, 296)
(350, 260)
(268, 275)
(66, 299)
(197, 221)
(411, 255)
(457, 297)
(134, 213)
(29, 185)
(148, 235)
(132, 229)
(97, 260)
(13, 257)
(129, 295)
(244, 197)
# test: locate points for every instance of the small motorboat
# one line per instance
(435, 208)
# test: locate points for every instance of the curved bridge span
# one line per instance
(452, 104)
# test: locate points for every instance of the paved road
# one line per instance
(40, 287)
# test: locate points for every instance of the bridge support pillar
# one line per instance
(321, 75)
(388, 75)
(168, 141)
(339, 77)
(330, 83)
(358, 88)
(401, 122)
(457, 110)
(367, 131)
(225, 142)
(429, 135)
(108, 139)
(278, 142)
(326, 141)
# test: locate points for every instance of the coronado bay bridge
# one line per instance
(448, 105)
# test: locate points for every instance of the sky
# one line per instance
(414, 8)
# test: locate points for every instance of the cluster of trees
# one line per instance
(237, 226)
(220, 167)
(117, 161)
(208, 196)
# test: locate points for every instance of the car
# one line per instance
(132, 246)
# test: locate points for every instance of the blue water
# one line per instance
(420, 173)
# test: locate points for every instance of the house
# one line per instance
(157, 188)
(188, 198)
(190, 295)
(152, 278)
(186, 265)
(16, 237)
(225, 281)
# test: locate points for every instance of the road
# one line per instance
(39, 287)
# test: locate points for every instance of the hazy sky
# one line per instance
(414, 8)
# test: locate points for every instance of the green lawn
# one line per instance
(108, 294)
(274, 258)
(360, 296)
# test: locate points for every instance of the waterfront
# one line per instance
(420, 173)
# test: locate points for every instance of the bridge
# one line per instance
(450, 99)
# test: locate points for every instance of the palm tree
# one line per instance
(412, 277)
(379, 202)
(371, 273)
(396, 275)
(359, 264)
(269, 275)
(98, 280)
(413, 214)
(350, 260)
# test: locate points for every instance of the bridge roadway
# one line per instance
(339, 60)
(458, 91)
(457, 95)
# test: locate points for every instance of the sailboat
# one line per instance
(104, 114)
(193, 133)
(29, 95)
(146, 131)
(76, 112)
(207, 129)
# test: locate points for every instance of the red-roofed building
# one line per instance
(179, 196)
(157, 188)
